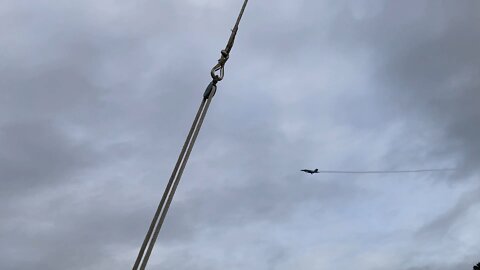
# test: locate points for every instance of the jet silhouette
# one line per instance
(310, 171)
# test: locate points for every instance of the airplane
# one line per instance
(310, 171)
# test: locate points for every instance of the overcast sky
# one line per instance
(96, 98)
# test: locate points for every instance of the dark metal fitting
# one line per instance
(212, 86)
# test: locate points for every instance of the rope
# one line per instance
(167, 197)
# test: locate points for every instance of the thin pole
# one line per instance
(167, 189)
(167, 197)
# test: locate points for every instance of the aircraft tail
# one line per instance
(316, 171)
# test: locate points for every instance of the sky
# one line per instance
(96, 98)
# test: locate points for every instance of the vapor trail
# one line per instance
(389, 171)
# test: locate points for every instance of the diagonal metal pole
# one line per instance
(176, 182)
(217, 74)
(154, 222)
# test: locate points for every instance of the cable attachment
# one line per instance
(218, 70)
(220, 67)
(212, 87)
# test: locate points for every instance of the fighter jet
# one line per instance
(310, 171)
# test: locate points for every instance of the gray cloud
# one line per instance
(96, 98)
(50, 155)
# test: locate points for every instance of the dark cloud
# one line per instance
(37, 155)
(443, 225)
(427, 67)
(96, 98)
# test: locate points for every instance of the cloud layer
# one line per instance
(96, 98)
